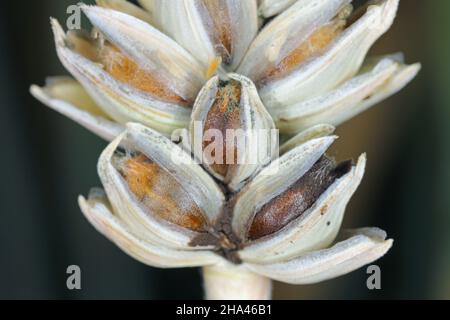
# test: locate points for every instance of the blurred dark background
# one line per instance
(47, 160)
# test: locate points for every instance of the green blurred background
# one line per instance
(47, 160)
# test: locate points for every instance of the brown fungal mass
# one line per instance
(160, 193)
(289, 205)
(223, 115)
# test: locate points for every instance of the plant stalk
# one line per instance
(231, 282)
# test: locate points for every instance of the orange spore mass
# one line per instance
(314, 45)
(159, 192)
(125, 70)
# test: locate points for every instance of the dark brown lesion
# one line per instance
(224, 114)
(293, 202)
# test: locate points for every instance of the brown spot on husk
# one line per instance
(316, 44)
(298, 198)
(216, 17)
(160, 193)
(313, 46)
(125, 70)
(223, 115)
